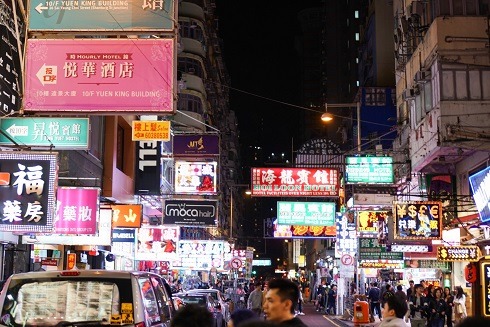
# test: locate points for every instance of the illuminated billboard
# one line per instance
(306, 213)
(418, 220)
(294, 182)
(369, 170)
(196, 177)
(480, 185)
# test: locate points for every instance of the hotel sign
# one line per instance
(306, 213)
(295, 182)
(369, 170)
(458, 253)
(418, 220)
(480, 185)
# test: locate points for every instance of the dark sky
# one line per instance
(259, 52)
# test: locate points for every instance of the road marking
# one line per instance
(331, 321)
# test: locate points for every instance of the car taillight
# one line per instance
(140, 324)
(70, 273)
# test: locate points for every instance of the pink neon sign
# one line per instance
(99, 75)
(77, 210)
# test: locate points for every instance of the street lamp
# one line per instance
(326, 117)
(247, 192)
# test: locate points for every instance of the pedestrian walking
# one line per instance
(437, 308)
(374, 297)
(449, 298)
(459, 305)
(254, 301)
(419, 307)
(280, 303)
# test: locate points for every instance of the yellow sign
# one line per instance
(115, 319)
(152, 130)
(127, 318)
(458, 253)
(126, 308)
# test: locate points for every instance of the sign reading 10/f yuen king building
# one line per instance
(418, 220)
(103, 75)
(284, 182)
(27, 199)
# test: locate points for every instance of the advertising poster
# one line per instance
(418, 220)
(273, 230)
(27, 191)
(195, 177)
(369, 221)
(200, 254)
(77, 210)
(293, 182)
(155, 243)
(102, 75)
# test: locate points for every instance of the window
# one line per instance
(191, 30)
(357, 36)
(461, 7)
(190, 66)
(356, 14)
(461, 83)
(190, 102)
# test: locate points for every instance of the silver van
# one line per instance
(86, 298)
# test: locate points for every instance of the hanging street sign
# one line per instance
(151, 130)
(458, 253)
(369, 170)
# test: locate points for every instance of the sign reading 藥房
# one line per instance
(190, 212)
(293, 182)
(458, 253)
(485, 283)
(77, 210)
(151, 130)
(195, 145)
(13, 35)
(306, 213)
(369, 170)
(55, 132)
(90, 15)
(103, 75)
(417, 220)
(480, 184)
(195, 177)
(27, 196)
(368, 221)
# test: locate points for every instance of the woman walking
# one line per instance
(449, 298)
(437, 307)
(459, 305)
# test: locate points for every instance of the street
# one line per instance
(314, 319)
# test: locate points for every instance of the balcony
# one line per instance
(194, 83)
(194, 47)
(191, 10)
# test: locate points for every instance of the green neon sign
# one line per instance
(369, 170)
(306, 213)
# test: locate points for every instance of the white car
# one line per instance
(219, 297)
(86, 298)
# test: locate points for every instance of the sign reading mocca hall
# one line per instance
(190, 212)
(284, 182)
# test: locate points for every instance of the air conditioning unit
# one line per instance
(422, 76)
(408, 94)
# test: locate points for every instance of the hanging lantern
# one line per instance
(470, 272)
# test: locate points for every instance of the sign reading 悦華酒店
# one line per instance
(417, 220)
(103, 75)
(190, 212)
(27, 199)
(306, 213)
(369, 170)
(480, 184)
(293, 182)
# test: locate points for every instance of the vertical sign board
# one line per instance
(77, 210)
(480, 184)
(148, 168)
(118, 15)
(27, 183)
(346, 241)
(102, 75)
(485, 283)
(10, 69)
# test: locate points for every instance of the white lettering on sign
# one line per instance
(147, 149)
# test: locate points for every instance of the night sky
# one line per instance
(259, 52)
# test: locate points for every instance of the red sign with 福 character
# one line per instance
(294, 182)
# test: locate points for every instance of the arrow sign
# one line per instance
(40, 7)
(18, 130)
(47, 74)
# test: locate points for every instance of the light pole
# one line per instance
(232, 187)
(326, 117)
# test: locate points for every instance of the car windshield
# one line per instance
(199, 300)
(51, 302)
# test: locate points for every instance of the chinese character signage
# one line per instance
(195, 177)
(273, 229)
(293, 182)
(157, 243)
(95, 15)
(10, 67)
(27, 183)
(52, 132)
(77, 210)
(127, 215)
(370, 249)
(369, 221)
(195, 145)
(418, 220)
(306, 213)
(200, 254)
(485, 283)
(151, 130)
(369, 170)
(458, 253)
(190, 212)
(346, 241)
(102, 75)
(147, 179)
(480, 185)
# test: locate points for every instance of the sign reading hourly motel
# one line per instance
(292, 182)
(190, 212)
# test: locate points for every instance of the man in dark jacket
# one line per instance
(419, 307)
(374, 297)
(280, 303)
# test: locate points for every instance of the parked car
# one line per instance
(86, 298)
(206, 300)
(219, 297)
